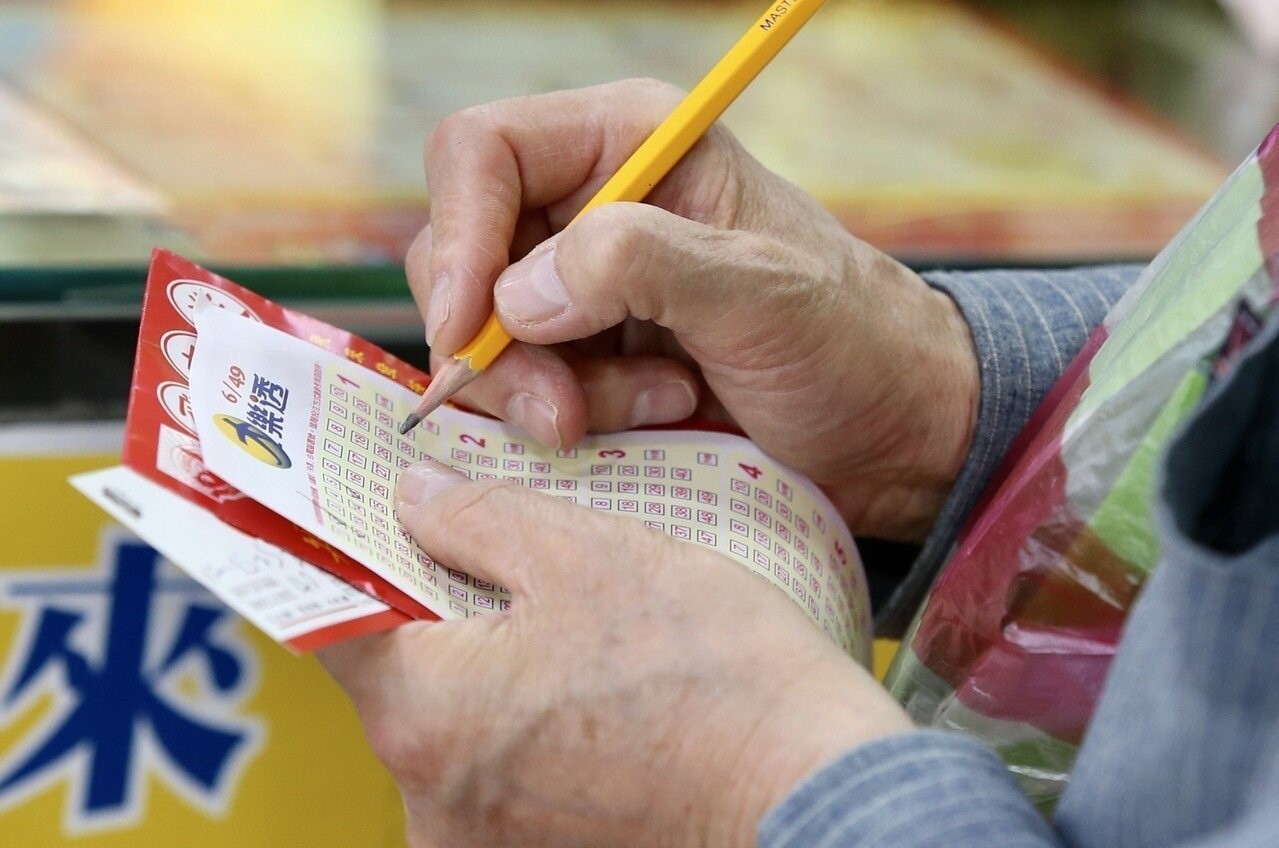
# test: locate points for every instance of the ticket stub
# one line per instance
(291, 601)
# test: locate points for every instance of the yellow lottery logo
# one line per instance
(252, 441)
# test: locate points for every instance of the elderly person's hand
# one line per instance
(733, 295)
(641, 690)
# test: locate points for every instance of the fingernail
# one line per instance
(664, 404)
(531, 291)
(535, 415)
(421, 482)
(437, 311)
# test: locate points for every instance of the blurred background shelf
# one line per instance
(280, 142)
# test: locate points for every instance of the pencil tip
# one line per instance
(410, 422)
(456, 376)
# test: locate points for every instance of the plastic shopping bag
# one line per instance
(1015, 639)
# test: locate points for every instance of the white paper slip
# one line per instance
(285, 597)
(313, 436)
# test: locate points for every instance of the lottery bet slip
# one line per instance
(262, 452)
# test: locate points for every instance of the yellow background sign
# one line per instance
(144, 713)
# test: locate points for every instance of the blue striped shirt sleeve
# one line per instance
(1027, 327)
(916, 790)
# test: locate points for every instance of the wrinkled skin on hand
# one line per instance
(730, 294)
(641, 691)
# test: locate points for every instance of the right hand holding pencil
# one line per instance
(732, 295)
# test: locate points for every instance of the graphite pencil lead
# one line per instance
(456, 376)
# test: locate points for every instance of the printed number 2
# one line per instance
(467, 439)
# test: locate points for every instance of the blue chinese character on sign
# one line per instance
(114, 661)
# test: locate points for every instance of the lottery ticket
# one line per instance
(312, 435)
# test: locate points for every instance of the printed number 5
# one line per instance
(471, 440)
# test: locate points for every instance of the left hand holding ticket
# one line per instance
(614, 704)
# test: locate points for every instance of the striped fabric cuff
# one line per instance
(1027, 326)
(916, 790)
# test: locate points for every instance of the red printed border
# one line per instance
(159, 397)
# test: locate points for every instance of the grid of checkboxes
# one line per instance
(728, 498)
(360, 453)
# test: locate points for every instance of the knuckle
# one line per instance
(474, 507)
(449, 130)
(486, 507)
(616, 240)
(618, 249)
(475, 130)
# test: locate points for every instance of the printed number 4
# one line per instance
(754, 472)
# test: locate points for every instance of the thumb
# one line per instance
(631, 259)
(497, 531)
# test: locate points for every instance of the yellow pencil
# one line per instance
(644, 169)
